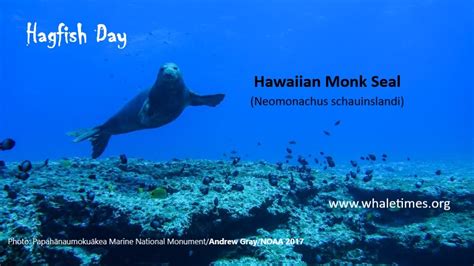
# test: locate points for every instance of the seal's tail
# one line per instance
(97, 137)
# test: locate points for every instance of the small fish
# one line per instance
(330, 161)
(372, 157)
(367, 178)
(22, 175)
(302, 161)
(362, 158)
(7, 144)
(235, 161)
(237, 187)
(123, 159)
(292, 183)
(233, 152)
(259, 144)
(288, 150)
(353, 175)
(338, 122)
(292, 142)
(279, 166)
(181, 171)
(322, 153)
(25, 166)
(316, 160)
(419, 184)
(289, 157)
(327, 133)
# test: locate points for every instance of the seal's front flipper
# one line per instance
(209, 100)
(98, 138)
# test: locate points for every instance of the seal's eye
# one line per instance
(162, 68)
(175, 68)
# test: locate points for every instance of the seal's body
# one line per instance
(152, 108)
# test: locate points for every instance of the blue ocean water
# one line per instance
(220, 47)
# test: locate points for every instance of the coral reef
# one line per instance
(120, 199)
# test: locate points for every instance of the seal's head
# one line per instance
(169, 72)
(168, 93)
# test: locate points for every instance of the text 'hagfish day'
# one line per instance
(64, 35)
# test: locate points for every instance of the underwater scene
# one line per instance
(236, 132)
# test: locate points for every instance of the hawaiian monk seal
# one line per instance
(152, 108)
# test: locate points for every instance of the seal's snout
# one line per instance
(169, 71)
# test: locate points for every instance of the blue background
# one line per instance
(220, 47)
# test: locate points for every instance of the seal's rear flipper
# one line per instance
(98, 138)
(99, 143)
(83, 134)
(209, 100)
